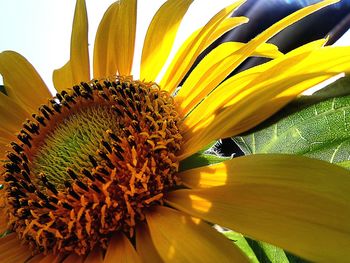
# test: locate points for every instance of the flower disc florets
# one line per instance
(90, 163)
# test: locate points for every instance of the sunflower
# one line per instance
(92, 174)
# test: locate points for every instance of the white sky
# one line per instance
(40, 29)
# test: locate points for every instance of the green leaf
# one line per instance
(267, 253)
(207, 156)
(243, 244)
(201, 159)
(339, 88)
(317, 126)
(261, 252)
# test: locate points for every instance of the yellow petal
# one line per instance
(5, 137)
(36, 258)
(62, 78)
(291, 19)
(270, 107)
(180, 238)
(4, 142)
(12, 250)
(79, 52)
(23, 84)
(259, 92)
(77, 69)
(144, 245)
(120, 250)
(211, 73)
(126, 28)
(273, 30)
(205, 177)
(226, 25)
(74, 258)
(240, 82)
(52, 259)
(11, 116)
(196, 87)
(160, 37)
(190, 50)
(95, 256)
(296, 203)
(105, 44)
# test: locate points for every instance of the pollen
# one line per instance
(90, 163)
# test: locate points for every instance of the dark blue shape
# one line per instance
(332, 21)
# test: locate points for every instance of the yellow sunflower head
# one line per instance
(94, 171)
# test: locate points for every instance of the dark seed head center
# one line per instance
(71, 143)
(90, 163)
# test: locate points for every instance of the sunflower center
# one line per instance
(90, 163)
(72, 142)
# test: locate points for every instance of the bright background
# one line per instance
(40, 30)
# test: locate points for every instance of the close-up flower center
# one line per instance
(90, 162)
